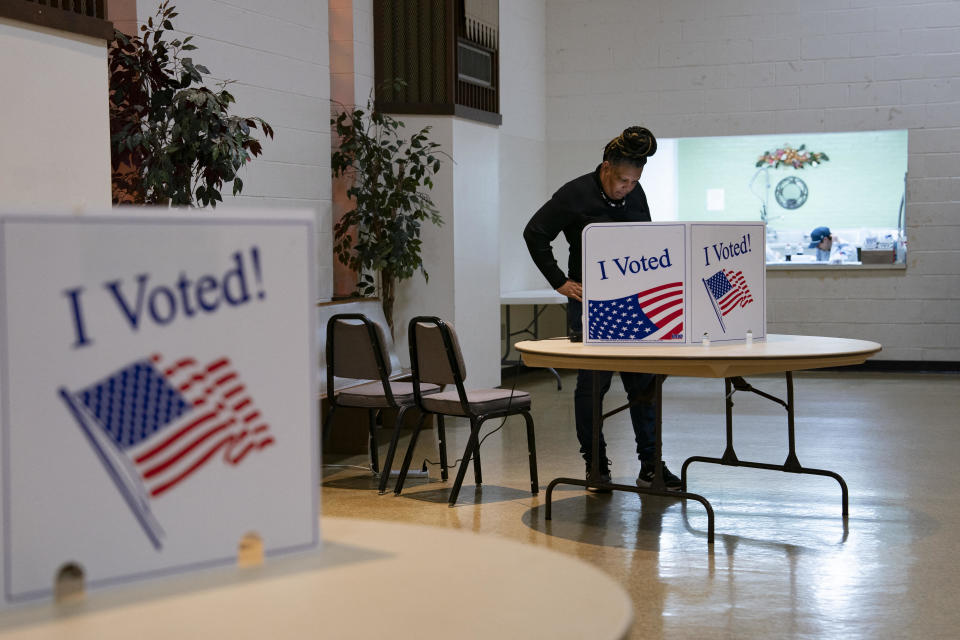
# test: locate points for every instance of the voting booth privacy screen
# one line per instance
(158, 397)
(673, 283)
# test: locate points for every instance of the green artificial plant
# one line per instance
(390, 176)
(172, 139)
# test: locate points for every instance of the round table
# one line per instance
(370, 579)
(777, 353)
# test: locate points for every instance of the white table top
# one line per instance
(775, 354)
(532, 296)
(370, 579)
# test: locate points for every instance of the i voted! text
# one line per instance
(140, 299)
(725, 251)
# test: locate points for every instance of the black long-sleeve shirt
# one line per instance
(575, 205)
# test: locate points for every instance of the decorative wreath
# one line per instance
(788, 156)
(791, 192)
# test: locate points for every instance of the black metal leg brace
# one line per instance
(790, 465)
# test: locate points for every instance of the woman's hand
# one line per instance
(571, 289)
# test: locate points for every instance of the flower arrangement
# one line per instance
(787, 155)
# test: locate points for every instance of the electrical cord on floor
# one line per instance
(503, 421)
(347, 466)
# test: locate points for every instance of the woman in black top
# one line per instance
(611, 193)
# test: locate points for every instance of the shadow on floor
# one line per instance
(469, 496)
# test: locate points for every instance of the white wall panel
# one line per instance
(436, 298)
(522, 155)
(477, 248)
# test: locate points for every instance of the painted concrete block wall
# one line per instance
(709, 68)
(278, 56)
(53, 157)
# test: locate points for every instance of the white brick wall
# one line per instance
(726, 67)
(278, 54)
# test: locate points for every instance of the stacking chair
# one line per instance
(436, 359)
(355, 350)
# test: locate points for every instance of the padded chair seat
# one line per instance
(481, 401)
(370, 395)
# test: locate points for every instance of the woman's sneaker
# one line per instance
(645, 479)
(603, 476)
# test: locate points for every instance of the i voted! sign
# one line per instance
(727, 282)
(158, 397)
(634, 283)
(673, 282)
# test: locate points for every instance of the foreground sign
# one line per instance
(673, 282)
(157, 396)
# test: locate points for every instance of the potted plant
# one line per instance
(172, 139)
(390, 176)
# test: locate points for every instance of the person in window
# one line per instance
(610, 193)
(822, 241)
(829, 248)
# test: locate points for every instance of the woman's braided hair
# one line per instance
(633, 146)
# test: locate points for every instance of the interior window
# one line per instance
(806, 185)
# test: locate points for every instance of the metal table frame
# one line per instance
(790, 465)
(717, 362)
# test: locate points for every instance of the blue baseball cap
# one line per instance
(817, 235)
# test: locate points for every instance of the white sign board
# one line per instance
(673, 282)
(727, 281)
(157, 393)
(634, 282)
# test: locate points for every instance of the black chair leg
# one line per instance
(388, 463)
(374, 456)
(327, 424)
(442, 438)
(532, 452)
(409, 455)
(477, 472)
(462, 470)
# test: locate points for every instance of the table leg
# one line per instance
(597, 425)
(790, 465)
(506, 351)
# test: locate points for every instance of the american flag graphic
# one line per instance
(728, 290)
(154, 424)
(654, 314)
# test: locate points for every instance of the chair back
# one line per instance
(355, 349)
(370, 307)
(435, 354)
